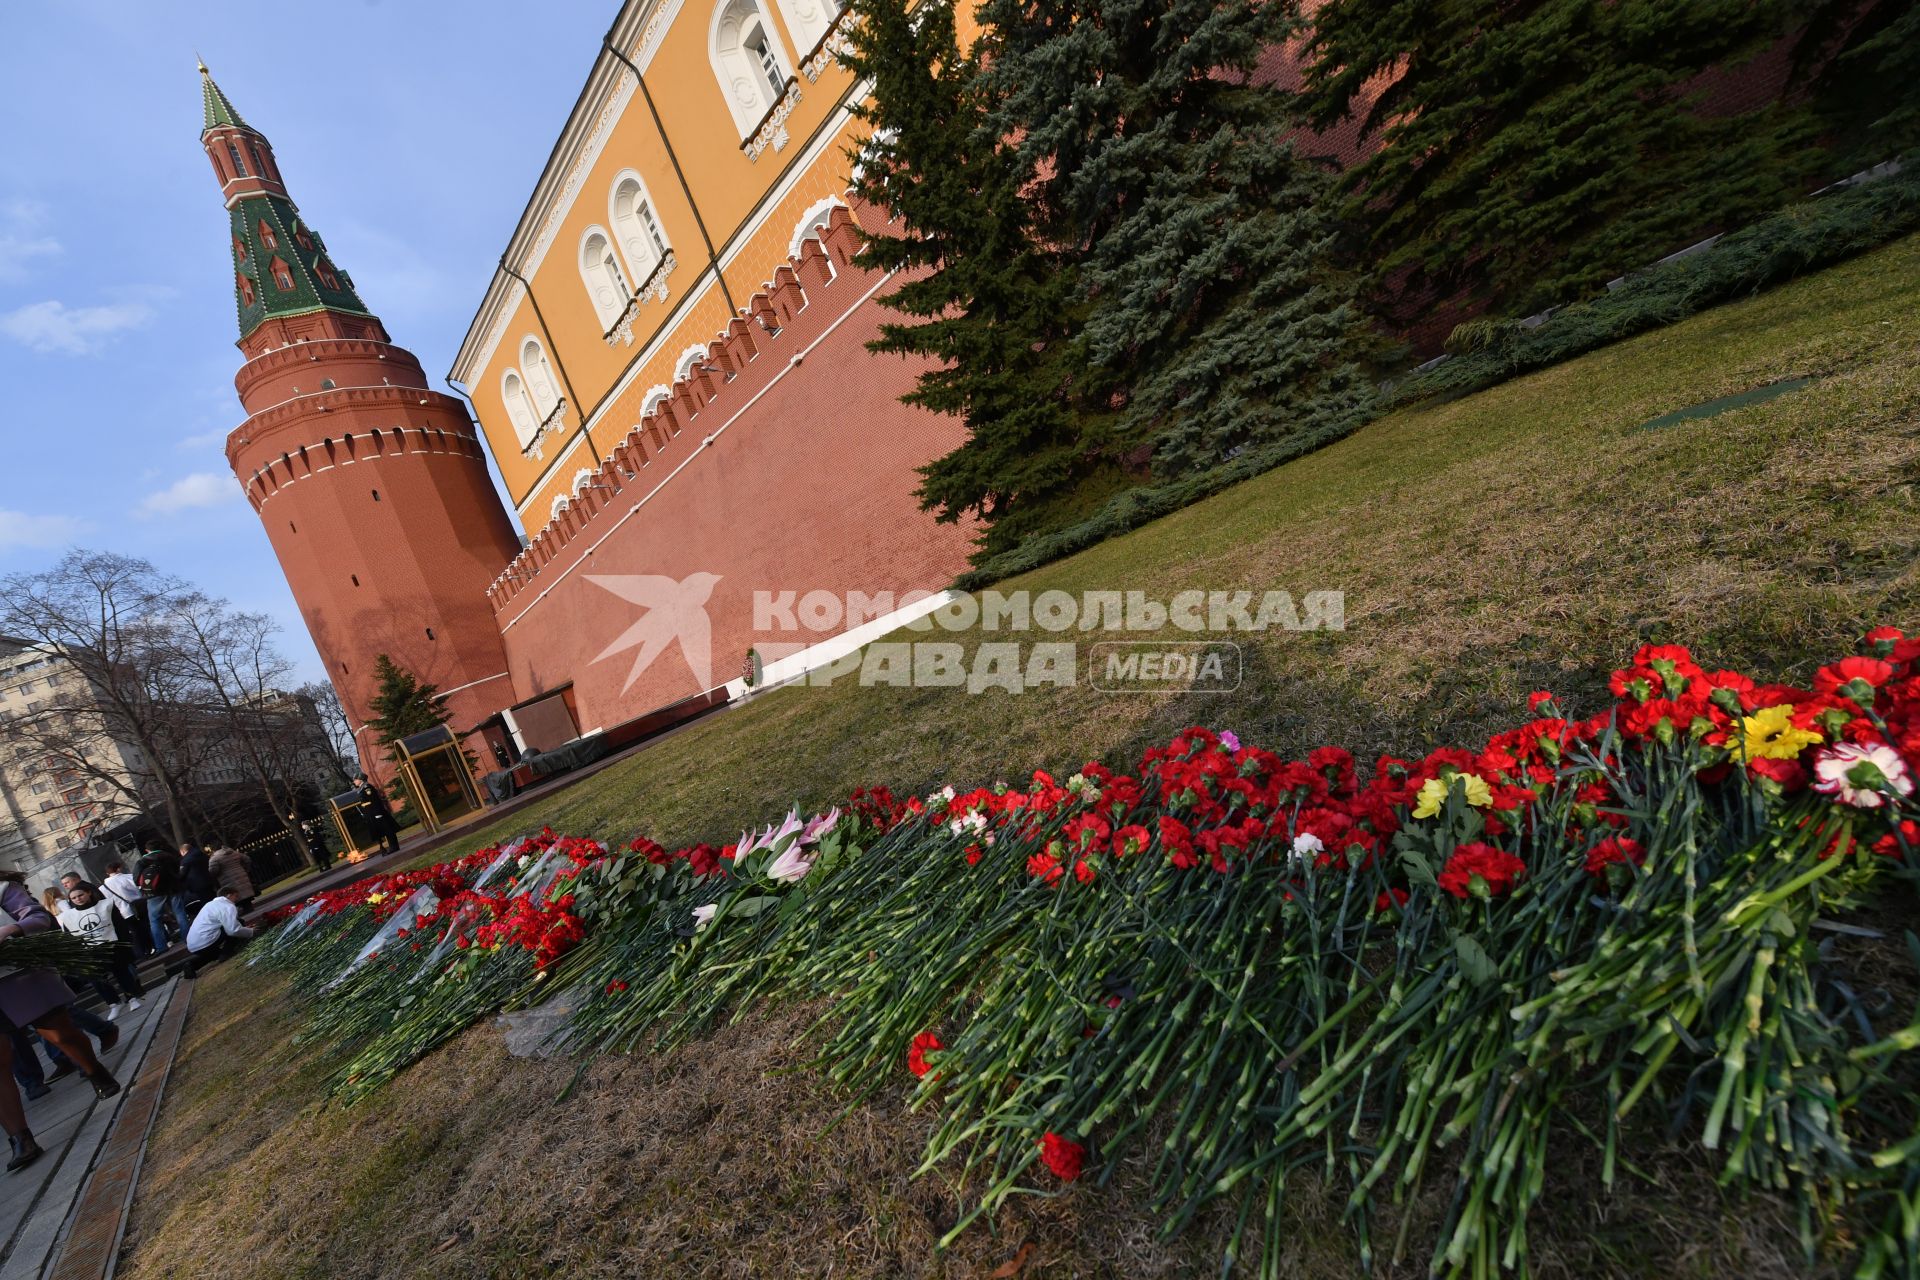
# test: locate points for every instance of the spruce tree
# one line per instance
(1535, 148)
(990, 302)
(403, 706)
(1215, 299)
(1865, 63)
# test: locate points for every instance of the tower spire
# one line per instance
(219, 111)
(281, 267)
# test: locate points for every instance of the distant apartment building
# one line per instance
(49, 801)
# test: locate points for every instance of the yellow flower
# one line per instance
(1433, 793)
(374, 898)
(1770, 734)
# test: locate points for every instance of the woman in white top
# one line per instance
(92, 916)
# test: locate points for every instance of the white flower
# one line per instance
(971, 823)
(1305, 846)
(1079, 785)
(791, 865)
(819, 826)
(1861, 776)
(703, 916)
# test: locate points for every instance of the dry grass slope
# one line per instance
(1522, 537)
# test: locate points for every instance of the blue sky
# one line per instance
(410, 133)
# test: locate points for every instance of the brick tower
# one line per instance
(372, 486)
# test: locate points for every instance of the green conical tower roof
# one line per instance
(218, 110)
(281, 266)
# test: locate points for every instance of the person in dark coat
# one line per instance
(196, 877)
(35, 998)
(159, 879)
(379, 814)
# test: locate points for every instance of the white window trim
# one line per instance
(592, 276)
(727, 72)
(620, 237)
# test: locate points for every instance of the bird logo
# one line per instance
(675, 612)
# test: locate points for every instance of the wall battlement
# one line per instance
(765, 339)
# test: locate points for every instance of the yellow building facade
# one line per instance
(710, 141)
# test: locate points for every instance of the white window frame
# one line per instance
(742, 77)
(603, 275)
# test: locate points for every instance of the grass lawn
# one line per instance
(1527, 536)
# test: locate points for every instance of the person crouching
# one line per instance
(216, 932)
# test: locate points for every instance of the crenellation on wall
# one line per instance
(762, 325)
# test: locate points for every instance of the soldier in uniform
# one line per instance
(379, 813)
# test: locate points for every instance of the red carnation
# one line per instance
(1614, 850)
(1131, 839)
(1045, 867)
(1062, 1155)
(1496, 868)
(923, 1044)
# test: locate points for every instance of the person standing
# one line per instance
(35, 998)
(379, 814)
(216, 933)
(159, 880)
(129, 902)
(232, 870)
(196, 877)
(91, 918)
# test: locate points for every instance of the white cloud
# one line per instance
(17, 250)
(20, 238)
(18, 529)
(203, 440)
(201, 489)
(54, 327)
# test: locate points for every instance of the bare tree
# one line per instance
(244, 676)
(336, 728)
(116, 729)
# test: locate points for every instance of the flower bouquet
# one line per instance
(57, 950)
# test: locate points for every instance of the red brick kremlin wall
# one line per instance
(796, 473)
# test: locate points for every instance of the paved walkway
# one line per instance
(38, 1204)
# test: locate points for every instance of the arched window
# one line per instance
(239, 165)
(747, 60)
(246, 290)
(513, 391)
(581, 480)
(539, 378)
(600, 271)
(655, 398)
(636, 227)
(808, 20)
(282, 274)
(322, 269)
(560, 503)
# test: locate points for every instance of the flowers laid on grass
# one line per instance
(1062, 1155)
(1424, 962)
(923, 1044)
